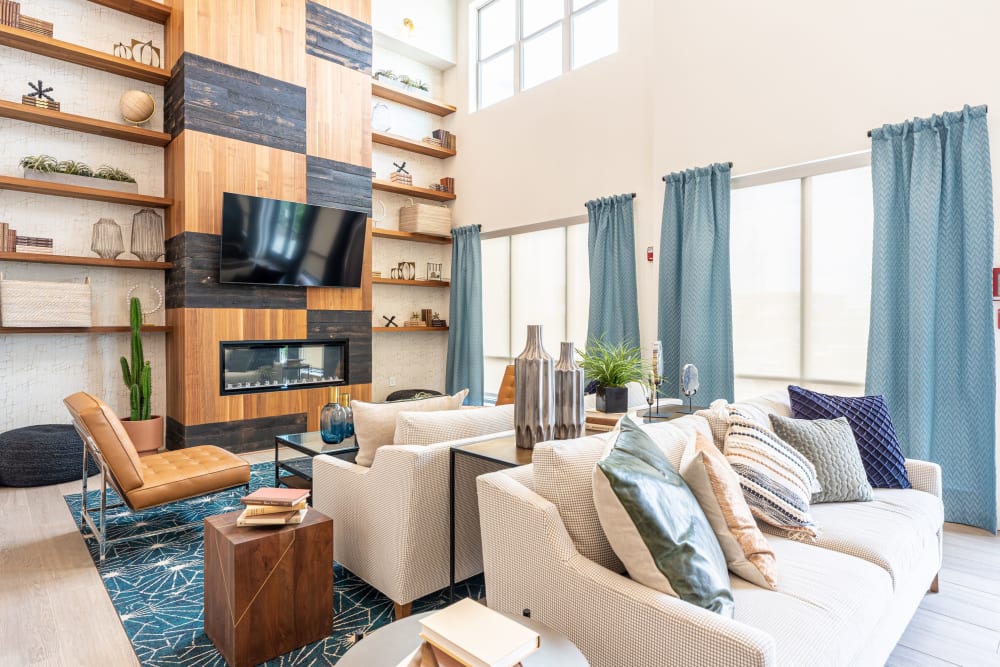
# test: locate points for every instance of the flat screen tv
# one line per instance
(274, 242)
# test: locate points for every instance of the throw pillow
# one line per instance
(777, 481)
(829, 445)
(655, 526)
(717, 488)
(717, 416)
(428, 428)
(872, 427)
(375, 423)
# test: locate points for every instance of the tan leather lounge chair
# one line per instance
(505, 395)
(149, 481)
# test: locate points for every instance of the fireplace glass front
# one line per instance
(279, 365)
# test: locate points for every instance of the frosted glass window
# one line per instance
(496, 79)
(538, 287)
(765, 250)
(537, 14)
(578, 282)
(542, 57)
(496, 297)
(496, 27)
(595, 33)
(840, 276)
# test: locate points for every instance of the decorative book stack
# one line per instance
(10, 13)
(446, 184)
(32, 244)
(37, 26)
(401, 178)
(8, 238)
(445, 139)
(470, 634)
(274, 507)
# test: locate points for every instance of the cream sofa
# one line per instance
(391, 520)
(845, 600)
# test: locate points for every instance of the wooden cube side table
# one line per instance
(268, 590)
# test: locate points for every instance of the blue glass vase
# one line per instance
(333, 421)
(349, 416)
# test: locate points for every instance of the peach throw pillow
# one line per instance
(717, 488)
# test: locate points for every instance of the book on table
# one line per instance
(281, 497)
(477, 636)
(286, 518)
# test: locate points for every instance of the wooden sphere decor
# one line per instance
(137, 106)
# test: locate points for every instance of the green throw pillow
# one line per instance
(655, 525)
(830, 446)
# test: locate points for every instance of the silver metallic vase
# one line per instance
(570, 413)
(534, 392)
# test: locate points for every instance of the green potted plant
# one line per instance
(143, 428)
(612, 366)
(71, 172)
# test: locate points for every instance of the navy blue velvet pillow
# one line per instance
(872, 428)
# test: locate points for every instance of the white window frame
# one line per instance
(566, 20)
(803, 173)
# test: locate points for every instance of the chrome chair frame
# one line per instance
(98, 530)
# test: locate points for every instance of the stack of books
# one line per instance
(35, 25)
(8, 238)
(32, 244)
(472, 635)
(446, 184)
(445, 139)
(274, 507)
(10, 13)
(400, 177)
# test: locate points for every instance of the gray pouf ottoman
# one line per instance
(40, 455)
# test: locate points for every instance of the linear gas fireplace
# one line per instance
(279, 365)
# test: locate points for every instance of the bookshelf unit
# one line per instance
(412, 145)
(68, 121)
(413, 101)
(74, 260)
(411, 190)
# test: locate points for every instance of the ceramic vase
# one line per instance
(534, 392)
(570, 413)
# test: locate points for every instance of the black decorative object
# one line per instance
(390, 321)
(41, 455)
(400, 168)
(39, 96)
(40, 91)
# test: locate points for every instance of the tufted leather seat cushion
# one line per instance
(185, 473)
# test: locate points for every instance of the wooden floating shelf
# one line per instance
(80, 55)
(412, 145)
(81, 330)
(411, 100)
(157, 12)
(411, 190)
(79, 192)
(409, 236)
(412, 283)
(82, 261)
(400, 329)
(68, 121)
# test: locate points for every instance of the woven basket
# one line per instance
(29, 303)
(425, 219)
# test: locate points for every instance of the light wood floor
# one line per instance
(54, 609)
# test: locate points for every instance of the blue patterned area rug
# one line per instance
(155, 584)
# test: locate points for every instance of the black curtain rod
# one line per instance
(665, 177)
(870, 132)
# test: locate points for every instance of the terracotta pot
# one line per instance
(146, 435)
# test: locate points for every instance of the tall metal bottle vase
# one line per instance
(570, 413)
(534, 392)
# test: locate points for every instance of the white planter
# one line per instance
(392, 83)
(82, 181)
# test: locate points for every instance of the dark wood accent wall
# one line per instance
(276, 107)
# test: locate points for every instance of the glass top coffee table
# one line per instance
(310, 444)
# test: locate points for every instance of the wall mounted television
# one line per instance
(275, 242)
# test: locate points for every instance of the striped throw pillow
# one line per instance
(777, 481)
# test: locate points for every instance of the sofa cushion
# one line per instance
(892, 531)
(824, 609)
(777, 481)
(829, 445)
(718, 491)
(655, 525)
(717, 416)
(563, 475)
(428, 428)
(872, 427)
(375, 423)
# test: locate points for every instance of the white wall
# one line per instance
(434, 21)
(37, 371)
(761, 84)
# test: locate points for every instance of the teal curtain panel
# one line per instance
(614, 309)
(695, 314)
(931, 339)
(465, 334)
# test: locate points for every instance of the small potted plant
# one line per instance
(612, 366)
(71, 172)
(144, 428)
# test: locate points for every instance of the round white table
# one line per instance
(391, 643)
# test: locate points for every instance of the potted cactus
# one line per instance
(144, 428)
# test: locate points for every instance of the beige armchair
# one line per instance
(148, 481)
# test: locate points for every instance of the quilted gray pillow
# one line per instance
(830, 446)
